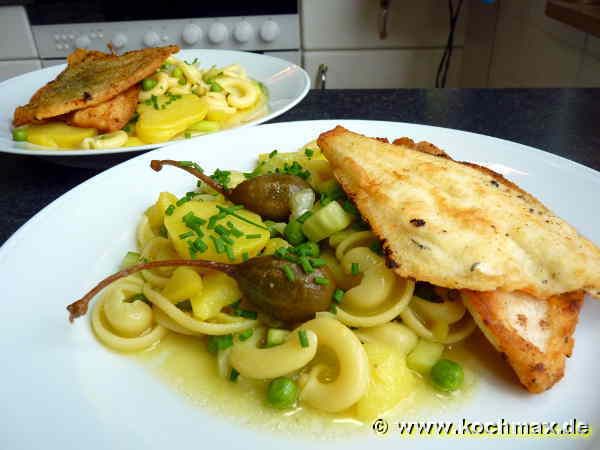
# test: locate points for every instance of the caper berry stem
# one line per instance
(157, 165)
(80, 307)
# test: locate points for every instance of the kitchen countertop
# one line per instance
(561, 121)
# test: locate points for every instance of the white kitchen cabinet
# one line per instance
(364, 69)
(353, 24)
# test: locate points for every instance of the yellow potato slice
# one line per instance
(58, 134)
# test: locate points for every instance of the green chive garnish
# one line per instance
(245, 256)
(338, 295)
(245, 335)
(318, 262)
(333, 309)
(219, 244)
(186, 235)
(321, 281)
(303, 338)
(182, 200)
(220, 229)
(309, 152)
(233, 375)
(229, 252)
(163, 231)
(304, 216)
(354, 269)
(170, 210)
(305, 264)
(200, 245)
(234, 230)
(288, 272)
(272, 154)
(253, 236)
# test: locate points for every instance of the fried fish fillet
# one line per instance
(91, 79)
(458, 225)
(109, 116)
(534, 335)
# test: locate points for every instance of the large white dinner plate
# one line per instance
(61, 389)
(286, 82)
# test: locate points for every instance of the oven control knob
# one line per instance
(242, 31)
(269, 31)
(217, 33)
(119, 40)
(151, 39)
(83, 41)
(191, 34)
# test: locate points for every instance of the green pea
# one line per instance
(446, 375)
(148, 84)
(19, 134)
(293, 233)
(177, 72)
(282, 393)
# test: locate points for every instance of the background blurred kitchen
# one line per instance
(341, 43)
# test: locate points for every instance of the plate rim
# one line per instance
(143, 148)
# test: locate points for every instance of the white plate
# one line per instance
(286, 82)
(61, 389)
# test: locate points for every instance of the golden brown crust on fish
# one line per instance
(90, 80)
(481, 232)
(534, 335)
(108, 116)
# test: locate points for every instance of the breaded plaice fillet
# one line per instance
(535, 336)
(458, 225)
(109, 116)
(89, 80)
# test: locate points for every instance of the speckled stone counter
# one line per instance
(561, 121)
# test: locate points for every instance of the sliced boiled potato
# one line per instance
(156, 213)
(134, 141)
(184, 284)
(390, 381)
(162, 124)
(58, 134)
(183, 241)
(218, 291)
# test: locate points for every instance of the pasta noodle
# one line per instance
(352, 379)
(260, 363)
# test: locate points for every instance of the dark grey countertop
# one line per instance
(561, 121)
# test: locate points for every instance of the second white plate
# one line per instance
(286, 82)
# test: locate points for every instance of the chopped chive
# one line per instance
(349, 207)
(212, 220)
(191, 219)
(309, 152)
(246, 334)
(182, 200)
(162, 231)
(321, 281)
(272, 154)
(338, 295)
(199, 184)
(245, 256)
(192, 249)
(318, 262)
(305, 264)
(247, 314)
(216, 343)
(200, 245)
(304, 216)
(234, 230)
(187, 135)
(231, 210)
(227, 240)
(354, 268)
(219, 244)
(170, 210)
(288, 272)
(229, 252)
(253, 236)
(333, 308)
(220, 229)
(233, 375)
(191, 194)
(154, 101)
(303, 338)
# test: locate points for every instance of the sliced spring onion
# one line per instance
(326, 221)
(338, 295)
(170, 210)
(354, 268)
(321, 281)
